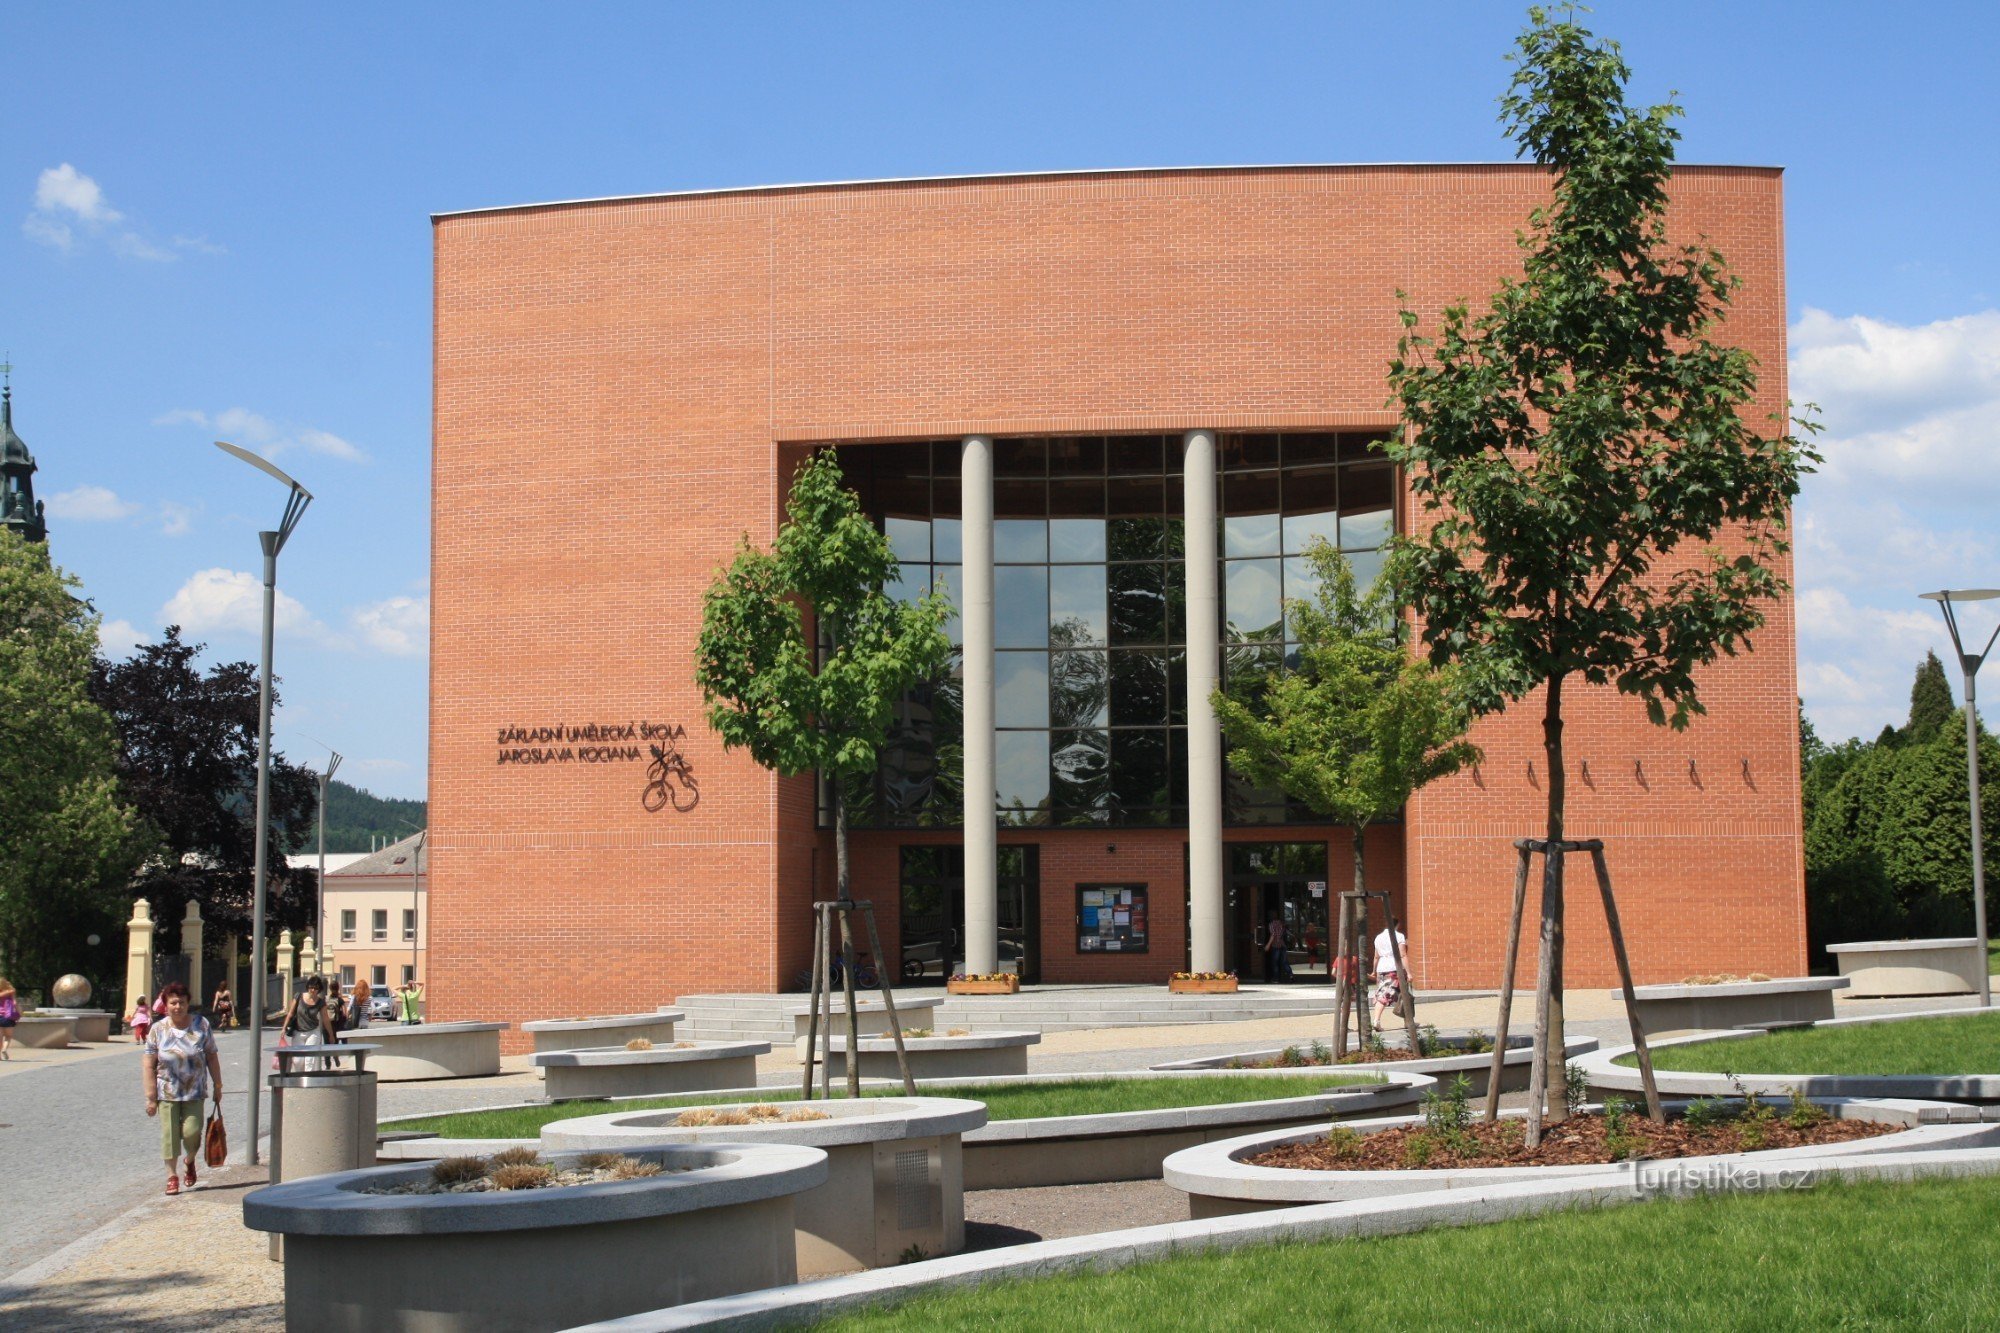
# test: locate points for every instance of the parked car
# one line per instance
(381, 1009)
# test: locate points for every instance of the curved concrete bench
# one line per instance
(613, 1071)
(719, 1222)
(1737, 1004)
(571, 1034)
(45, 1032)
(1910, 967)
(1218, 1180)
(430, 1050)
(1607, 1075)
(895, 1174)
(90, 1024)
(981, 1055)
(1477, 1067)
(1132, 1145)
(870, 1017)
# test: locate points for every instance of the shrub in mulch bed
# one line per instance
(1580, 1140)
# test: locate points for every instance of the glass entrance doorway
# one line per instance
(933, 912)
(1286, 879)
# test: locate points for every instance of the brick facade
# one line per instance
(618, 384)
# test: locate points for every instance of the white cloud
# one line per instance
(70, 208)
(254, 430)
(231, 601)
(201, 245)
(399, 626)
(117, 638)
(1901, 505)
(176, 519)
(91, 504)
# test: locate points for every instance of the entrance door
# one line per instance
(1287, 879)
(933, 912)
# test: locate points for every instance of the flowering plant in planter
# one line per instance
(1203, 976)
(984, 983)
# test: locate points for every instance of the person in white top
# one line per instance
(1388, 984)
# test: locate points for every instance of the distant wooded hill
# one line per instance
(359, 821)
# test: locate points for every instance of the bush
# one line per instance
(514, 1157)
(457, 1170)
(520, 1176)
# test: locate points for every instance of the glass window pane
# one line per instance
(1072, 497)
(1021, 606)
(1079, 689)
(947, 458)
(1080, 776)
(1020, 689)
(1020, 458)
(1177, 699)
(1367, 566)
(1311, 450)
(1248, 451)
(1140, 788)
(946, 545)
(1020, 499)
(1023, 541)
(1135, 539)
(1138, 687)
(1076, 539)
(1021, 768)
(949, 581)
(1076, 456)
(1301, 583)
(1311, 507)
(909, 538)
(1128, 454)
(1251, 595)
(1250, 514)
(1076, 605)
(1366, 493)
(1138, 603)
(909, 582)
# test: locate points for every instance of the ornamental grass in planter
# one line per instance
(986, 983)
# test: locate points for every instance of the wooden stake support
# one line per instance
(829, 916)
(1348, 985)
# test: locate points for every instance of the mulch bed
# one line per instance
(1307, 1060)
(1578, 1141)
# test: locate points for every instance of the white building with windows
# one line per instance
(376, 917)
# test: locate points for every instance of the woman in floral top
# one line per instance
(183, 1070)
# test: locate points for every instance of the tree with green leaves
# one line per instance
(1582, 450)
(1358, 725)
(68, 842)
(819, 696)
(1931, 706)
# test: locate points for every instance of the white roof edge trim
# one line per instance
(1004, 175)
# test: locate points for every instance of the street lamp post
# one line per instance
(1969, 663)
(272, 543)
(332, 763)
(416, 901)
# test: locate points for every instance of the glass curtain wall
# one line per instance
(1090, 684)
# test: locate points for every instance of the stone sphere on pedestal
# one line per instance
(70, 991)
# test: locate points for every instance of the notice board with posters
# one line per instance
(1111, 918)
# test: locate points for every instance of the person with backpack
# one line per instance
(183, 1069)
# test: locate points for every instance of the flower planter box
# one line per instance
(45, 1032)
(572, 1034)
(895, 1171)
(718, 1223)
(1010, 986)
(1188, 986)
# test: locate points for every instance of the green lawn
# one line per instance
(1955, 1045)
(1018, 1101)
(1862, 1256)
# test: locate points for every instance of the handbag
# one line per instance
(215, 1143)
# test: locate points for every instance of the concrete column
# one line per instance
(139, 954)
(191, 946)
(286, 970)
(1204, 733)
(982, 852)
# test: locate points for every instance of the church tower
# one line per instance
(20, 511)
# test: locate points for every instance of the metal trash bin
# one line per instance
(322, 1117)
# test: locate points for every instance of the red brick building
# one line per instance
(622, 389)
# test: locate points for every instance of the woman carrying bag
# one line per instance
(182, 1070)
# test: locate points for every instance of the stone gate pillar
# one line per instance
(191, 943)
(286, 967)
(139, 954)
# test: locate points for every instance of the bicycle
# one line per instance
(865, 976)
(668, 767)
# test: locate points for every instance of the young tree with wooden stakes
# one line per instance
(1351, 731)
(818, 697)
(1598, 504)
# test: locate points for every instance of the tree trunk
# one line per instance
(840, 881)
(1547, 1100)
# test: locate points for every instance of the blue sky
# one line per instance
(214, 223)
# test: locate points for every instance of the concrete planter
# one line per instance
(1607, 1075)
(963, 986)
(571, 1034)
(871, 1018)
(1190, 986)
(45, 1032)
(895, 1174)
(533, 1260)
(1219, 1180)
(1910, 967)
(1477, 1068)
(982, 1055)
(613, 1071)
(1737, 1004)
(1132, 1145)
(90, 1024)
(411, 1052)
